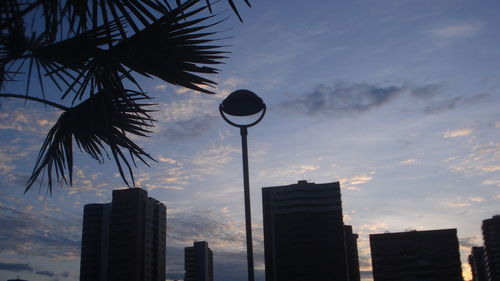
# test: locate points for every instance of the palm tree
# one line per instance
(91, 51)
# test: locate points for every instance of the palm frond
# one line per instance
(89, 50)
(136, 13)
(100, 123)
(72, 61)
(233, 6)
(172, 49)
(13, 41)
(235, 9)
(12, 11)
(52, 15)
(64, 62)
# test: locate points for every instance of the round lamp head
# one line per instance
(242, 103)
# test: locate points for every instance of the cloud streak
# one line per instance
(16, 267)
(190, 128)
(457, 133)
(459, 202)
(28, 234)
(482, 159)
(452, 103)
(344, 99)
(458, 30)
(45, 273)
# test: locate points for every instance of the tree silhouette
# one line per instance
(92, 52)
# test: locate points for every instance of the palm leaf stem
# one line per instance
(44, 101)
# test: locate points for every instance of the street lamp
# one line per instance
(243, 103)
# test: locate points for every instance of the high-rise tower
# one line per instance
(476, 262)
(124, 240)
(304, 233)
(491, 236)
(95, 242)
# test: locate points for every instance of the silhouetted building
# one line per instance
(491, 236)
(95, 242)
(124, 240)
(431, 255)
(304, 232)
(476, 262)
(198, 262)
(351, 243)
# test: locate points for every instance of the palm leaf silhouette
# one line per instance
(97, 124)
(90, 50)
(171, 48)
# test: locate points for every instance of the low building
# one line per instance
(351, 244)
(476, 262)
(198, 262)
(429, 255)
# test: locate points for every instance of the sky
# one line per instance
(398, 100)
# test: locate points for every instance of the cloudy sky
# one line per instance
(398, 100)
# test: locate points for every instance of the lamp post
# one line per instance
(243, 103)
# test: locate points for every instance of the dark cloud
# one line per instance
(235, 271)
(366, 273)
(38, 236)
(348, 99)
(16, 267)
(216, 229)
(185, 228)
(175, 276)
(175, 262)
(227, 265)
(187, 129)
(452, 103)
(188, 226)
(45, 273)
(426, 91)
(344, 99)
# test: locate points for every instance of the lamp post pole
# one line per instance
(248, 216)
(244, 103)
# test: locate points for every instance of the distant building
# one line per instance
(491, 236)
(304, 232)
(476, 262)
(124, 240)
(198, 262)
(416, 255)
(351, 243)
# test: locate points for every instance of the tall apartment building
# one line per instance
(95, 242)
(430, 255)
(491, 237)
(351, 243)
(124, 240)
(476, 262)
(304, 233)
(198, 262)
